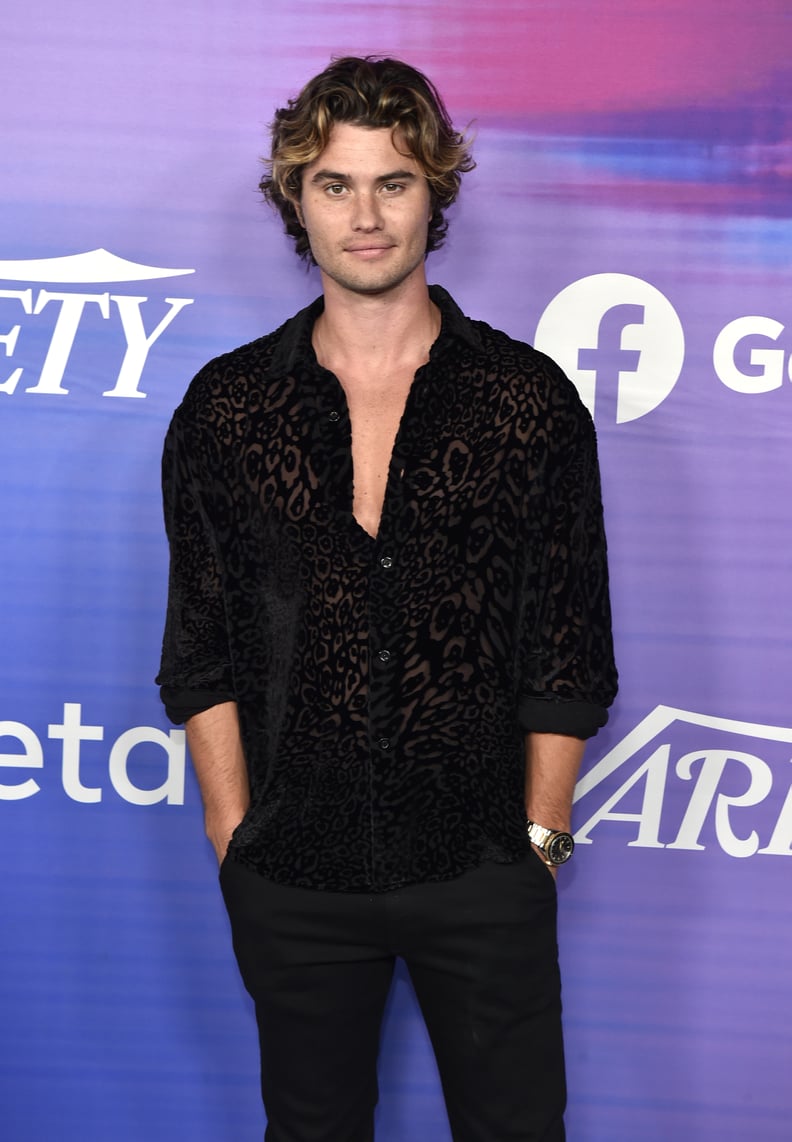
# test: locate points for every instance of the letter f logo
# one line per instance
(609, 360)
(615, 334)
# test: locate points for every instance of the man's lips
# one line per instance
(370, 250)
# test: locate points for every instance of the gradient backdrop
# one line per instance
(630, 214)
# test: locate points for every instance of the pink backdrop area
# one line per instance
(630, 214)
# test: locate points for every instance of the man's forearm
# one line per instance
(216, 749)
(552, 763)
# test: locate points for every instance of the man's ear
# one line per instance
(299, 213)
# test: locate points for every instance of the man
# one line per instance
(388, 634)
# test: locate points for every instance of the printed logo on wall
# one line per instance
(721, 793)
(618, 338)
(146, 752)
(92, 267)
(614, 331)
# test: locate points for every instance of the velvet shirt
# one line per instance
(384, 685)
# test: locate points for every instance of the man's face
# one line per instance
(366, 207)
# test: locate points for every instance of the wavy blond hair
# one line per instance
(369, 92)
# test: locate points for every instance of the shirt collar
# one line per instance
(294, 346)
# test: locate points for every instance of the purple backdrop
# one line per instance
(630, 213)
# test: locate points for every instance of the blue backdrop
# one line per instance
(630, 214)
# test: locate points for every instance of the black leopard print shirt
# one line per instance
(384, 685)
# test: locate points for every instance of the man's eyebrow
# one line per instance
(338, 176)
(397, 176)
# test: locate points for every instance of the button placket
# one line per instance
(383, 678)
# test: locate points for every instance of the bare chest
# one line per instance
(375, 414)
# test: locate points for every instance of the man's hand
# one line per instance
(220, 836)
(551, 868)
(216, 749)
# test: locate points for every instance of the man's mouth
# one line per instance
(369, 249)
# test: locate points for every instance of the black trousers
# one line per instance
(482, 955)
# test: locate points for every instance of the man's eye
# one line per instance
(334, 189)
(391, 187)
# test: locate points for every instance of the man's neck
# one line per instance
(360, 331)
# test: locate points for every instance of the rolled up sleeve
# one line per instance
(195, 668)
(569, 676)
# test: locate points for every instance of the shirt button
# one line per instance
(384, 656)
(384, 743)
(334, 416)
(386, 562)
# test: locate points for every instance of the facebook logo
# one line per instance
(620, 341)
(609, 359)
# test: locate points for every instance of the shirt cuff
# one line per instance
(182, 704)
(552, 716)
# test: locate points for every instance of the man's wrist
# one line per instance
(555, 846)
(220, 834)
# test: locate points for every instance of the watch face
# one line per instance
(560, 848)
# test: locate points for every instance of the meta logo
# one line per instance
(71, 308)
(732, 790)
(83, 767)
(616, 336)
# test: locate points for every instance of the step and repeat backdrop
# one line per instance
(631, 214)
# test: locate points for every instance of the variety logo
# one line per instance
(71, 306)
(617, 335)
(732, 790)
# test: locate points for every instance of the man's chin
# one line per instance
(373, 285)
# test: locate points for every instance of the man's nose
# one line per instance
(367, 214)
